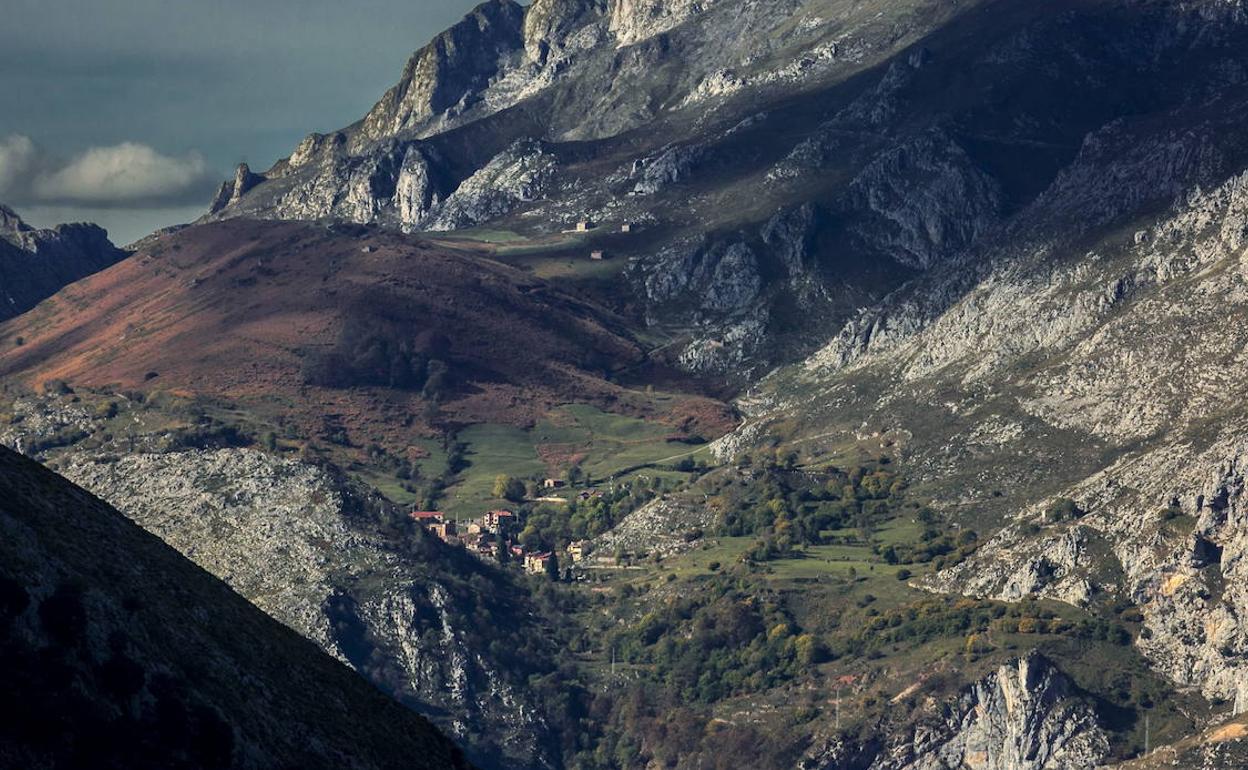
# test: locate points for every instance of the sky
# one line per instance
(128, 113)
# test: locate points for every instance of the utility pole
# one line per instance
(612, 662)
(838, 708)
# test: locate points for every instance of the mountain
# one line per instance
(777, 184)
(34, 264)
(970, 273)
(121, 653)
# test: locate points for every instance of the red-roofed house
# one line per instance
(427, 517)
(495, 520)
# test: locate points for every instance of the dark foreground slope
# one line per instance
(118, 652)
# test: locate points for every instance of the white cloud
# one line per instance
(18, 160)
(123, 175)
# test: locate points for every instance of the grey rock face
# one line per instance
(453, 68)
(668, 167)
(398, 185)
(722, 277)
(924, 201)
(633, 20)
(1027, 715)
(231, 192)
(658, 527)
(548, 25)
(514, 176)
(35, 264)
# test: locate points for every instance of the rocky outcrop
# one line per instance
(447, 74)
(923, 201)
(669, 166)
(514, 176)
(399, 185)
(663, 526)
(229, 193)
(548, 25)
(634, 20)
(1027, 715)
(35, 264)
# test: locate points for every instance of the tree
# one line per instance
(552, 566)
(810, 650)
(509, 488)
(501, 550)
(435, 381)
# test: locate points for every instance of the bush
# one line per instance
(509, 488)
(1062, 509)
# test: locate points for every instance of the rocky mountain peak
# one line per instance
(451, 68)
(10, 222)
(230, 192)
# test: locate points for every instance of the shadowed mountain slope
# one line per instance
(121, 653)
(34, 263)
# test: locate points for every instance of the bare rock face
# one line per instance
(658, 527)
(634, 20)
(923, 201)
(35, 264)
(1027, 715)
(399, 184)
(456, 65)
(548, 24)
(512, 177)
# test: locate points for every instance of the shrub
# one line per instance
(1062, 509)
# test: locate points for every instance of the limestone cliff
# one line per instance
(1027, 715)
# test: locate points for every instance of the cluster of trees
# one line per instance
(708, 648)
(374, 352)
(788, 508)
(945, 548)
(942, 618)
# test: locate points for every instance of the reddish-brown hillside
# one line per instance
(309, 322)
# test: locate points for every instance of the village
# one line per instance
(492, 536)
